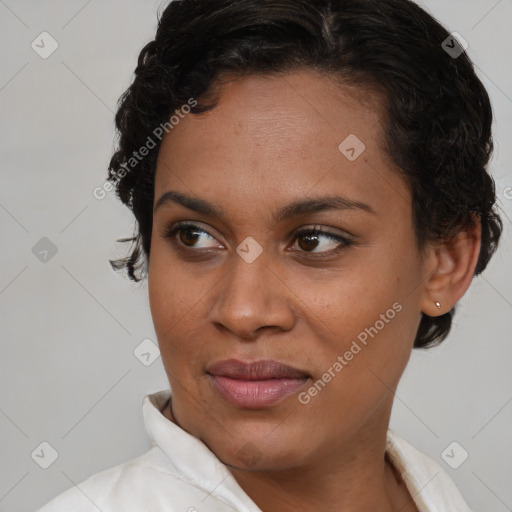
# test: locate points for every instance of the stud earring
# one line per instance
(438, 305)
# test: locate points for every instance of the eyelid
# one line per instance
(344, 239)
(325, 230)
(173, 229)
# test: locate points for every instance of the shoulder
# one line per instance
(141, 484)
(429, 484)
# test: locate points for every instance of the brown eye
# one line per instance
(310, 239)
(311, 242)
(188, 235)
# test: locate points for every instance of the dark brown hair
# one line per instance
(438, 118)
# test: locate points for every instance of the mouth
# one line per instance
(256, 384)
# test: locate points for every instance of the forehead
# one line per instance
(298, 108)
(277, 135)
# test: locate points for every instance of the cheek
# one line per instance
(177, 299)
(171, 291)
(170, 298)
(367, 315)
(343, 303)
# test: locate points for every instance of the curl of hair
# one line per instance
(437, 112)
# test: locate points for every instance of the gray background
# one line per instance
(70, 325)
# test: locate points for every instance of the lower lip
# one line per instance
(253, 394)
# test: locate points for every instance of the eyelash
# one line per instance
(171, 233)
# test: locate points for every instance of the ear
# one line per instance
(451, 268)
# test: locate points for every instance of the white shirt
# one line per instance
(181, 474)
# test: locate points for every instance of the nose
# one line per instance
(252, 298)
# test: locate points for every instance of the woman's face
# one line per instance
(241, 286)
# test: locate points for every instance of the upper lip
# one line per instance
(257, 370)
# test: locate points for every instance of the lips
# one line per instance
(256, 384)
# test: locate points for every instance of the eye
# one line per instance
(188, 235)
(312, 240)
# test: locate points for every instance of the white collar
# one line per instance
(190, 456)
(199, 465)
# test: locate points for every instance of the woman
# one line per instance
(309, 182)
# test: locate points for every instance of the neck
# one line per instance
(355, 475)
(353, 480)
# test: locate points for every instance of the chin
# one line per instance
(259, 447)
(251, 457)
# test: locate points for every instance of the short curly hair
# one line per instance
(438, 113)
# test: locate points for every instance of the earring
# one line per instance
(438, 305)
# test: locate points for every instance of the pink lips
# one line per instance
(257, 384)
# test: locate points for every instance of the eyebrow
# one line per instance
(293, 209)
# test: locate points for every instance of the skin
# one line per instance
(271, 141)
